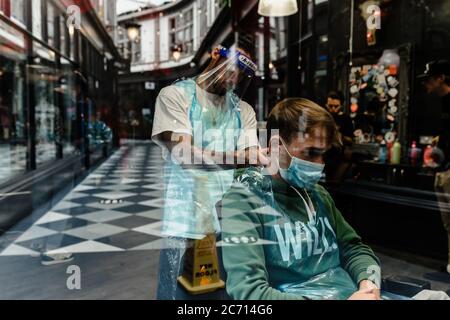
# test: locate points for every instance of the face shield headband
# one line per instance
(232, 74)
(244, 63)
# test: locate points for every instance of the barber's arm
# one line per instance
(245, 264)
(181, 147)
(172, 130)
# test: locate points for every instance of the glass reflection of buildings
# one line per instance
(175, 40)
(52, 76)
(178, 36)
(307, 55)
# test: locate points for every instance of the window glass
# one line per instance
(13, 148)
(48, 121)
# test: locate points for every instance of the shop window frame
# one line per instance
(5, 7)
(178, 24)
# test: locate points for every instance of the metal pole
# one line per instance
(352, 13)
(234, 20)
(267, 71)
(30, 95)
(293, 54)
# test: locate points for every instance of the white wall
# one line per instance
(148, 33)
(196, 26)
(37, 23)
(164, 39)
(148, 43)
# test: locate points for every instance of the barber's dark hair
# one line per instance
(246, 42)
(336, 95)
(297, 115)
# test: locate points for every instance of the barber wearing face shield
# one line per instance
(205, 130)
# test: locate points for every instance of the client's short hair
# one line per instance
(297, 115)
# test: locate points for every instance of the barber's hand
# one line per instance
(263, 157)
(257, 156)
(366, 294)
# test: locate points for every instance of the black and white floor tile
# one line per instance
(118, 207)
(14, 158)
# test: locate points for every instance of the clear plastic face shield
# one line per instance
(232, 73)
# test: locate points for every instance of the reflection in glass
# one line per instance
(45, 79)
(69, 92)
(12, 106)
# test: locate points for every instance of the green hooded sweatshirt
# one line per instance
(272, 249)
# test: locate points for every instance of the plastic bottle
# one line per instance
(396, 153)
(427, 160)
(389, 147)
(382, 153)
(414, 154)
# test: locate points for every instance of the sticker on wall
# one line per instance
(380, 91)
(393, 69)
(381, 80)
(365, 70)
(393, 92)
(367, 77)
(392, 81)
(389, 137)
(393, 110)
(390, 117)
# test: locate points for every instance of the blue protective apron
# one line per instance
(310, 246)
(327, 279)
(192, 194)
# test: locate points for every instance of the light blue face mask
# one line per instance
(301, 173)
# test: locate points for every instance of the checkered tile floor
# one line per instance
(118, 207)
(13, 160)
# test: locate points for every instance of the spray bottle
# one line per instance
(396, 153)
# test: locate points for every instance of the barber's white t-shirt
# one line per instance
(172, 114)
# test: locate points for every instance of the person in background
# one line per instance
(335, 105)
(436, 80)
(338, 158)
(4, 120)
(368, 121)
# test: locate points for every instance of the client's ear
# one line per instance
(274, 154)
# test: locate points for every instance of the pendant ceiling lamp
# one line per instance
(277, 8)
